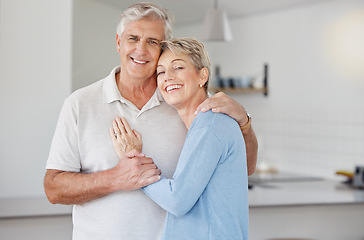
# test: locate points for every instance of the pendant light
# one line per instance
(216, 26)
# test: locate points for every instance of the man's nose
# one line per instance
(142, 47)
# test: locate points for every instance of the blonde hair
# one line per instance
(146, 10)
(194, 49)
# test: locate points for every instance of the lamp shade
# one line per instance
(216, 26)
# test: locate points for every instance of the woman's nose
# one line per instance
(168, 76)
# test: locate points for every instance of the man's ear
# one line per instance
(117, 43)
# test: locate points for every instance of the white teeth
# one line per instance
(137, 61)
(172, 87)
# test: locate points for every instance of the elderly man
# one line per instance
(83, 169)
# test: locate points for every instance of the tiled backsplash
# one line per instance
(316, 142)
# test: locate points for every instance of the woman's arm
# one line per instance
(195, 167)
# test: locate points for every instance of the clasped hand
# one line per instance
(134, 168)
(124, 139)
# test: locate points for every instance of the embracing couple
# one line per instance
(175, 163)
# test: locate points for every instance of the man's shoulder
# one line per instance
(88, 92)
(94, 89)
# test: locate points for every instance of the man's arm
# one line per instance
(76, 188)
(251, 144)
(220, 102)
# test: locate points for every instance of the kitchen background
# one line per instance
(311, 122)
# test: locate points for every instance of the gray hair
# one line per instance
(194, 49)
(146, 10)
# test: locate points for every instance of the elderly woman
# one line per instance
(207, 198)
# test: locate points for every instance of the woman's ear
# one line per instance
(204, 73)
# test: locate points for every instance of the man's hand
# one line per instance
(134, 171)
(222, 103)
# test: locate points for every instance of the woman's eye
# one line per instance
(159, 73)
(178, 68)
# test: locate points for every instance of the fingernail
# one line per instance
(196, 112)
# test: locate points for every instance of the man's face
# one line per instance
(139, 48)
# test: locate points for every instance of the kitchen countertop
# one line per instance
(296, 191)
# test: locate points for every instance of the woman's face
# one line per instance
(178, 80)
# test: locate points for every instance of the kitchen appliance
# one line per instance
(358, 178)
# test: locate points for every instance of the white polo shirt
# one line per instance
(82, 143)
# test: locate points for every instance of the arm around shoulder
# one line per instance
(251, 144)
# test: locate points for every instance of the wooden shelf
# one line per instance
(263, 90)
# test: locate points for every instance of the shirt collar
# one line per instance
(112, 93)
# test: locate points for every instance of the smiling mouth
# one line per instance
(172, 87)
(138, 61)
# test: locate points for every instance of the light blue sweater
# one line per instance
(207, 198)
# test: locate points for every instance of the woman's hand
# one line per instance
(124, 139)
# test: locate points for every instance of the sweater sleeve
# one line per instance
(198, 160)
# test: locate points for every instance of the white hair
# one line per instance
(146, 10)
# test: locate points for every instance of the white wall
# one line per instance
(94, 45)
(35, 78)
(312, 122)
(47, 50)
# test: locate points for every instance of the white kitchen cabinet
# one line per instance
(317, 210)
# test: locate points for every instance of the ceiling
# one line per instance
(192, 11)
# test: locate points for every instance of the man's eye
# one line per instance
(133, 38)
(154, 42)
